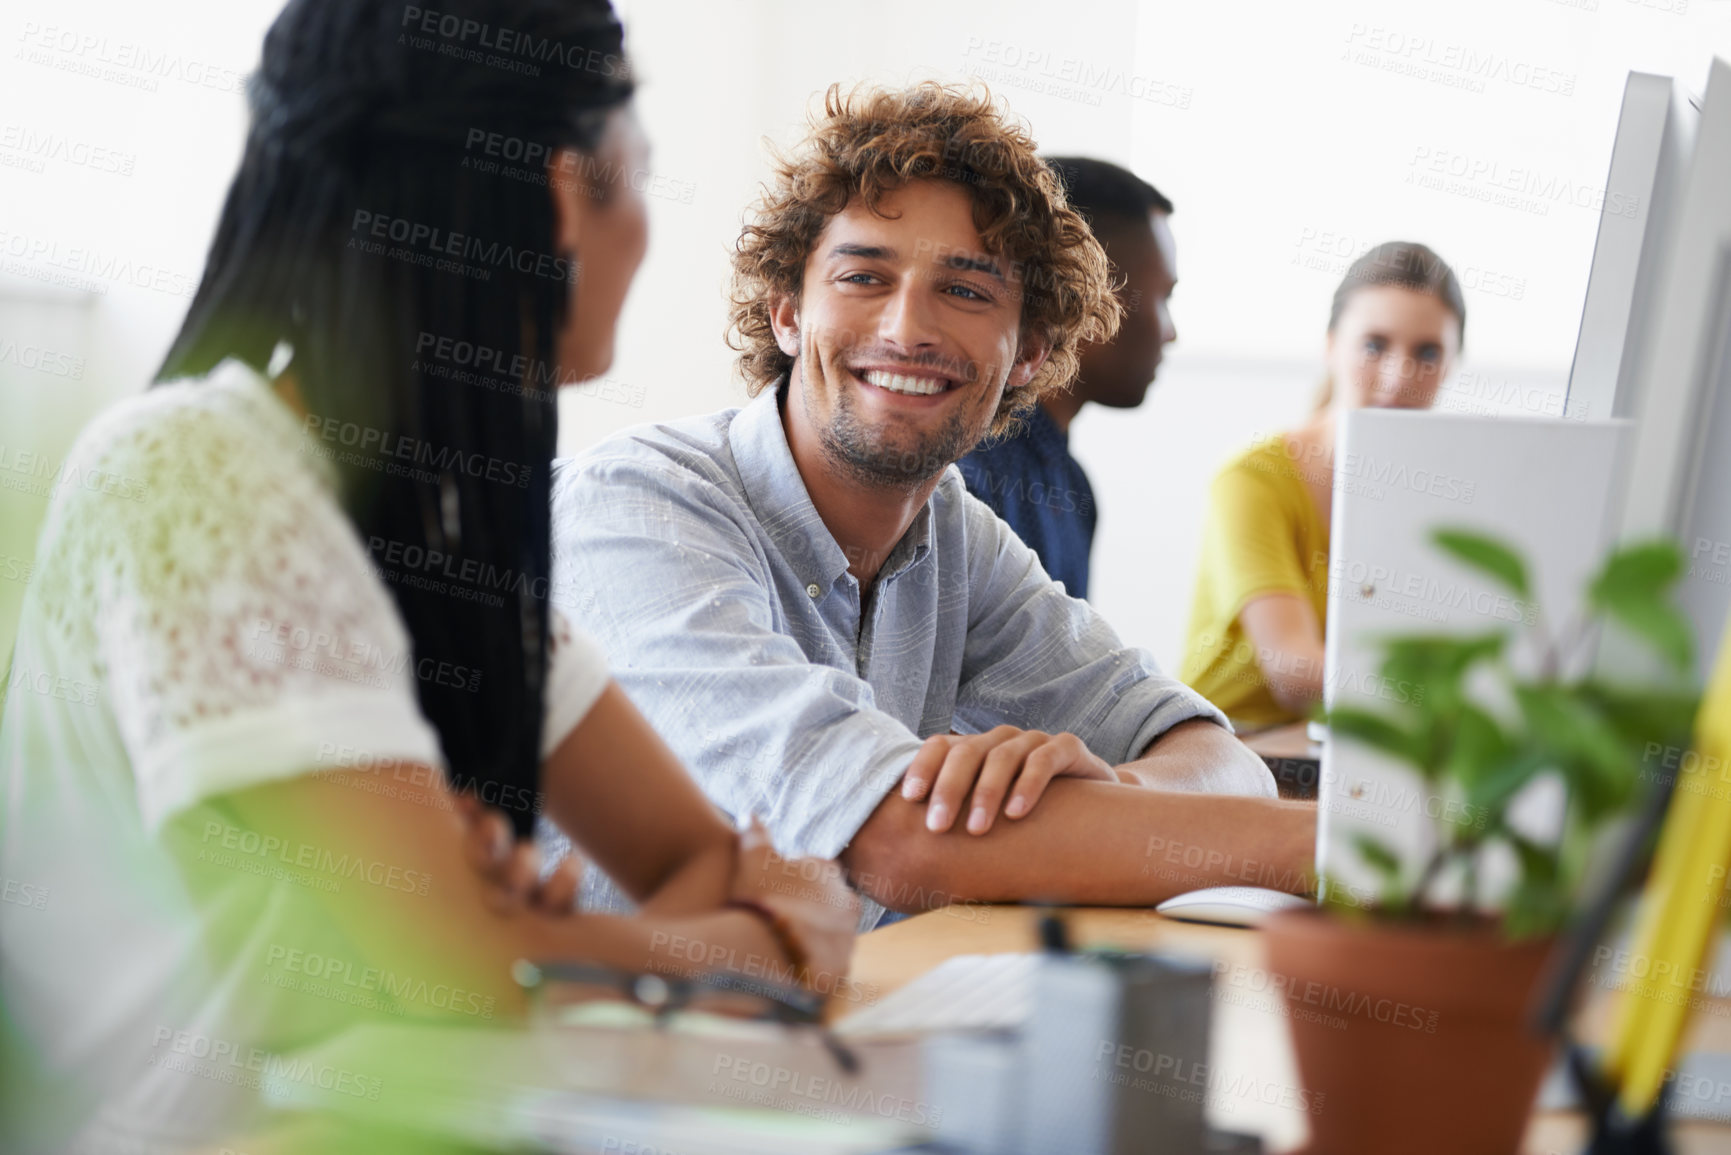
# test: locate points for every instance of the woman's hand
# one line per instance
(511, 870)
(1001, 761)
(809, 892)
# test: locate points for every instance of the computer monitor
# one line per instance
(1637, 221)
(1678, 481)
(1652, 356)
(1546, 485)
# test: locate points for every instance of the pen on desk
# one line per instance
(1054, 931)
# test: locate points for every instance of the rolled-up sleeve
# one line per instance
(656, 568)
(1039, 659)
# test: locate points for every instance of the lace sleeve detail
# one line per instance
(227, 606)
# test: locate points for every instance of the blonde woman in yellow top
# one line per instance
(1256, 624)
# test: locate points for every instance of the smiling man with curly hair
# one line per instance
(948, 152)
(809, 606)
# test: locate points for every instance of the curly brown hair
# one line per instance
(872, 141)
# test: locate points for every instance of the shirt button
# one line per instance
(812, 590)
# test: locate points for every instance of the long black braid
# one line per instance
(361, 171)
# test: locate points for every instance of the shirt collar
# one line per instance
(914, 545)
(778, 496)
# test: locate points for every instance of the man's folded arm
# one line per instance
(1200, 757)
(1038, 659)
(673, 590)
(1087, 843)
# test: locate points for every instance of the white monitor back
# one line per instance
(1679, 480)
(1543, 485)
(1637, 224)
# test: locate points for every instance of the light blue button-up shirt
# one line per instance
(693, 553)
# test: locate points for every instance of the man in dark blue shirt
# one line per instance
(1029, 478)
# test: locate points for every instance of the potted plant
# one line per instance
(1410, 1012)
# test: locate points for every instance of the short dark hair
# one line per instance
(1106, 194)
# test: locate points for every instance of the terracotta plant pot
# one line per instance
(1416, 1038)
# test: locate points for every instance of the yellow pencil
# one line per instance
(1678, 909)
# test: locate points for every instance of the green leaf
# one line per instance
(1661, 625)
(1376, 731)
(1489, 768)
(1479, 746)
(1644, 718)
(1646, 569)
(1432, 670)
(1440, 657)
(1498, 783)
(1597, 764)
(1381, 859)
(1387, 866)
(1538, 863)
(1487, 555)
(1632, 589)
(1534, 909)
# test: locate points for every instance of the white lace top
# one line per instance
(202, 617)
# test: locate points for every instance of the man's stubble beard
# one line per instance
(853, 446)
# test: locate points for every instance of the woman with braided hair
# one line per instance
(280, 700)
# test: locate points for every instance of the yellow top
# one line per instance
(1262, 535)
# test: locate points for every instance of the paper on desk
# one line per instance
(579, 1125)
(503, 1086)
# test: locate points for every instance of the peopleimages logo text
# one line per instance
(435, 241)
(387, 444)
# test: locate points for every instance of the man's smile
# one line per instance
(903, 381)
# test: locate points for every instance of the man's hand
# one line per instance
(1001, 761)
(809, 892)
(510, 869)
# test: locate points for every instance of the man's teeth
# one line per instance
(898, 383)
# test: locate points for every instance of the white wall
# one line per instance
(1283, 131)
(120, 125)
(1289, 143)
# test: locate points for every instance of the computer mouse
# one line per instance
(1230, 905)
